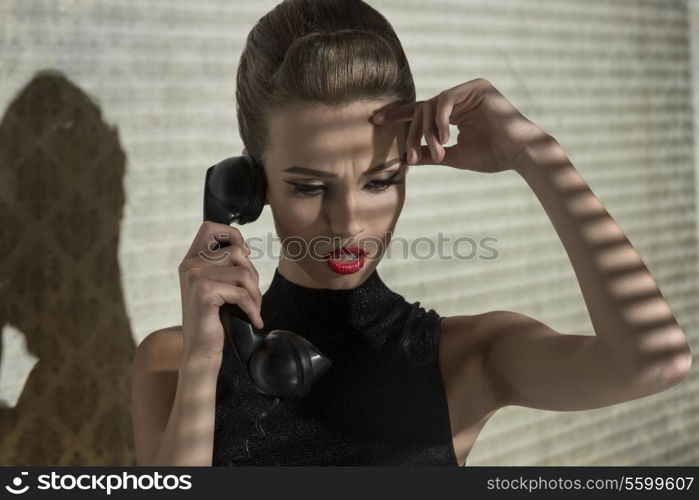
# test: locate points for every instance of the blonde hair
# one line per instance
(329, 52)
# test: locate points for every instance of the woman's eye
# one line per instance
(309, 190)
(383, 185)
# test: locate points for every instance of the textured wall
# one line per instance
(610, 80)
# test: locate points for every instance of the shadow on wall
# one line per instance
(61, 200)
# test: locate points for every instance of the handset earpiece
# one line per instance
(282, 363)
(234, 190)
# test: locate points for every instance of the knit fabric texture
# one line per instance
(382, 402)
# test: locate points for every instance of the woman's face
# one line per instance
(344, 203)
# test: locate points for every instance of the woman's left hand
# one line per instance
(492, 132)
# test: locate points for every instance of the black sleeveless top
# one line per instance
(382, 402)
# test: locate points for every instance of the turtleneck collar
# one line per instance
(319, 313)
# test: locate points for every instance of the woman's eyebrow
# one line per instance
(327, 175)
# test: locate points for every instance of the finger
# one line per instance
(239, 295)
(429, 130)
(414, 136)
(215, 293)
(237, 257)
(395, 113)
(237, 276)
(223, 256)
(445, 104)
(212, 236)
(450, 157)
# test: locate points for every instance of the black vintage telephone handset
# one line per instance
(281, 364)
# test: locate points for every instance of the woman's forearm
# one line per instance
(628, 312)
(189, 434)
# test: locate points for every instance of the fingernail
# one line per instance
(378, 117)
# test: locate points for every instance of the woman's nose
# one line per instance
(344, 216)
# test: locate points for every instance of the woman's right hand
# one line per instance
(210, 278)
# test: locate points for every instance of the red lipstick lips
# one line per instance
(346, 266)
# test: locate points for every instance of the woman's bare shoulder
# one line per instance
(162, 348)
(461, 333)
(170, 331)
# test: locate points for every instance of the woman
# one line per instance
(324, 93)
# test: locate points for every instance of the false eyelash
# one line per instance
(305, 190)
